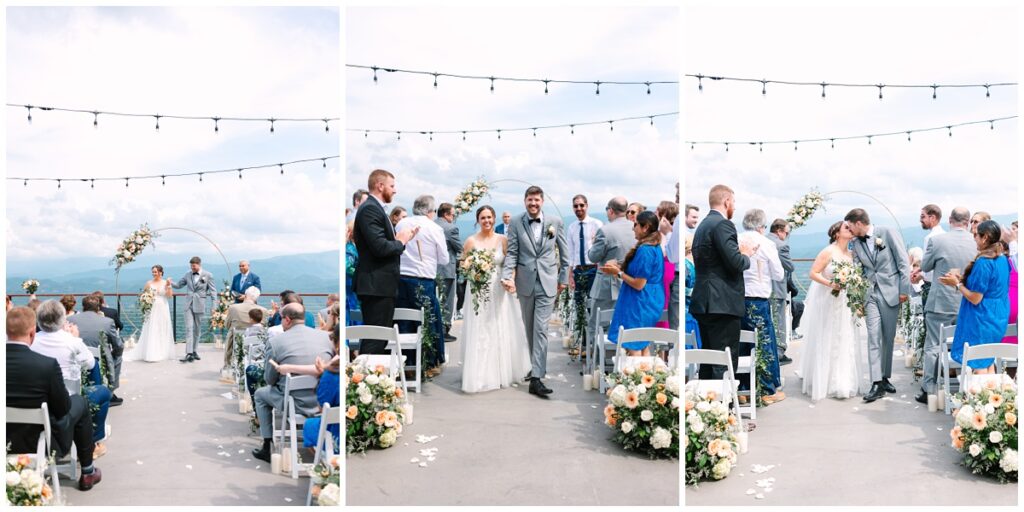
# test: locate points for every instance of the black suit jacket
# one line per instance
(113, 314)
(716, 255)
(31, 380)
(377, 270)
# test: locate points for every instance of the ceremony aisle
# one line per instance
(507, 447)
(846, 452)
(177, 441)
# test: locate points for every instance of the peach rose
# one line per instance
(1011, 419)
(23, 460)
(990, 384)
(689, 405)
(46, 492)
(632, 400)
(955, 433)
(732, 419)
(380, 369)
(352, 412)
(644, 367)
(357, 378)
(398, 392)
(711, 395)
(609, 410)
(958, 443)
(610, 421)
(381, 417)
(661, 398)
(978, 421)
(995, 399)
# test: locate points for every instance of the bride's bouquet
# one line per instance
(850, 277)
(986, 429)
(30, 286)
(146, 299)
(478, 267)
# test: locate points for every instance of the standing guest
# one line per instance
(612, 242)
(321, 316)
(68, 301)
(580, 238)
(931, 221)
(672, 253)
(242, 281)
(91, 323)
(1008, 235)
(691, 279)
(717, 301)
(758, 282)
(642, 299)
(978, 218)
(397, 214)
(446, 273)
(59, 340)
(351, 261)
(357, 200)
(984, 288)
(1012, 244)
(692, 216)
(943, 252)
(380, 249)
(34, 379)
(426, 253)
(667, 212)
(109, 312)
(779, 234)
(506, 217)
(633, 210)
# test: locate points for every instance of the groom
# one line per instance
(200, 286)
(531, 268)
(886, 266)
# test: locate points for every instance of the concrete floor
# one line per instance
(846, 452)
(507, 447)
(174, 415)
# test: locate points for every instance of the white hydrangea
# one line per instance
(372, 379)
(672, 384)
(1008, 462)
(703, 406)
(13, 478)
(974, 449)
(618, 396)
(388, 438)
(965, 416)
(646, 415)
(627, 427)
(675, 402)
(330, 496)
(663, 438)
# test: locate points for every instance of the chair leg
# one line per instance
(294, 448)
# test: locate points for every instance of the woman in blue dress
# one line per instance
(691, 279)
(642, 297)
(985, 306)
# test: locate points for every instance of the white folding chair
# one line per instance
(394, 361)
(661, 339)
(324, 441)
(602, 344)
(247, 344)
(748, 365)
(1011, 330)
(725, 388)
(353, 315)
(998, 351)
(946, 364)
(291, 420)
(40, 416)
(413, 340)
(690, 344)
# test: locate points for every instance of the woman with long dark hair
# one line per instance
(642, 299)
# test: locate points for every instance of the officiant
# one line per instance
(243, 280)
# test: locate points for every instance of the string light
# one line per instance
(823, 84)
(869, 137)
(163, 177)
(493, 78)
(500, 131)
(216, 119)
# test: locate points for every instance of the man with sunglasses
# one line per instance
(580, 235)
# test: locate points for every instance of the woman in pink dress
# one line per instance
(1007, 235)
(667, 212)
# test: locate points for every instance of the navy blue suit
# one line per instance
(238, 287)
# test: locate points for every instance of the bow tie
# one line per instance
(534, 220)
(864, 238)
(195, 273)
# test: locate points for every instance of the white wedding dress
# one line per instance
(833, 359)
(156, 343)
(494, 352)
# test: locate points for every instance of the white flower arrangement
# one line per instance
(30, 286)
(986, 429)
(710, 441)
(146, 300)
(643, 411)
(478, 268)
(805, 208)
(374, 414)
(25, 484)
(133, 245)
(469, 197)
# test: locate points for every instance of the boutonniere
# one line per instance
(879, 244)
(551, 231)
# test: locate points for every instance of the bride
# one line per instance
(494, 353)
(156, 343)
(832, 361)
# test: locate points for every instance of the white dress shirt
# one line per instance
(765, 266)
(70, 352)
(536, 227)
(590, 227)
(426, 251)
(937, 230)
(673, 244)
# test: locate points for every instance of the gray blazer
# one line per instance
(954, 249)
(298, 345)
(195, 301)
(779, 287)
(451, 237)
(612, 242)
(888, 268)
(91, 324)
(532, 262)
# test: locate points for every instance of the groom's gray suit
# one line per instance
(887, 267)
(538, 271)
(199, 287)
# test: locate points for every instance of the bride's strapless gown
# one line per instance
(494, 352)
(156, 343)
(832, 363)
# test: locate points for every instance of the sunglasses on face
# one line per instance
(630, 212)
(579, 206)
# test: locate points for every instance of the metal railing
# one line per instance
(127, 305)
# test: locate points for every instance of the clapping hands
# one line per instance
(747, 248)
(407, 234)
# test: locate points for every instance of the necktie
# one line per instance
(583, 259)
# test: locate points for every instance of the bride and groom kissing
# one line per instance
(531, 262)
(156, 342)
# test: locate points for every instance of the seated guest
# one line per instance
(34, 379)
(333, 317)
(257, 353)
(91, 322)
(298, 344)
(984, 287)
(640, 302)
(289, 297)
(59, 340)
(109, 312)
(256, 327)
(328, 389)
(321, 316)
(68, 301)
(10, 302)
(238, 319)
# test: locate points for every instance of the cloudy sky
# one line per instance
(637, 160)
(924, 44)
(244, 62)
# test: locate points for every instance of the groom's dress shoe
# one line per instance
(877, 391)
(538, 388)
(887, 386)
(187, 359)
(922, 397)
(195, 355)
(262, 454)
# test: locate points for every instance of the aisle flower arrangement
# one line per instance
(30, 286)
(219, 314)
(643, 408)
(326, 482)
(375, 408)
(804, 209)
(132, 246)
(26, 485)
(986, 429)
(468, 198)
(711, 444)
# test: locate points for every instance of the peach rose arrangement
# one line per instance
(25, 484)
(711, 444)
(643, 409)
(374, 408)
(986, 428)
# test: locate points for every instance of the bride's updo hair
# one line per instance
(481, 209)
(833, 232)
(158, 269)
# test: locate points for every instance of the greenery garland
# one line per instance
(761, 364)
